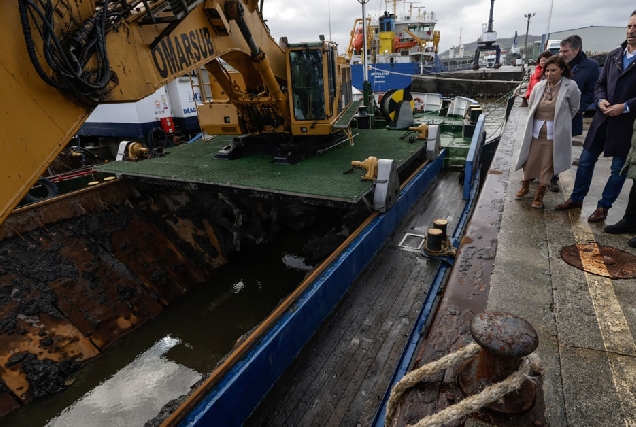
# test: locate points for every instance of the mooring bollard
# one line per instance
(434, 239)
(504, 339)
(441, 224)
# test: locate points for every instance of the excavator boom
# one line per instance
(60, 59)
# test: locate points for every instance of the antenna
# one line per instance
(547, 32)
(419, 13)
(394, 4)
(411, 7)
(329, 17)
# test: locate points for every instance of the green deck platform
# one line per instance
(451, 128)
(320, 177)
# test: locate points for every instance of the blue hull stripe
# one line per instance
(185, 124)
(385, 76)
(135, 130)
(247, 383)
(473, 159)
(118, 130)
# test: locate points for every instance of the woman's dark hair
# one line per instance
(559, 60)
(545, 54)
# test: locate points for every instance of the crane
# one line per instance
(488, 41)
(75, 55)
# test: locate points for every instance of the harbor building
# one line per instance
(596, 39)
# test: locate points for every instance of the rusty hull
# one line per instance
(79, 271)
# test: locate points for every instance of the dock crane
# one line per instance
(487, 41)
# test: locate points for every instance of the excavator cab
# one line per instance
(313, 87)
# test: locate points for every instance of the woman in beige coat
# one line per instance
(547, 143)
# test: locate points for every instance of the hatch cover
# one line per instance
(601, 260)
(412, 242)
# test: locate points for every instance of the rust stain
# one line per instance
(155, 261)
(600, 260)
(48, 338)
(101, 293)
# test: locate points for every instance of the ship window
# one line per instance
(307, 84)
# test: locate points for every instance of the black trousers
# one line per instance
(630, 211)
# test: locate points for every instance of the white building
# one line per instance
(595, 39)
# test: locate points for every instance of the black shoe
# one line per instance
(632, 242)
(621, 226)
(554, 185)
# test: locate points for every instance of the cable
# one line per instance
(68, 63)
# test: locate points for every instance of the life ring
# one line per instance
(51, 191)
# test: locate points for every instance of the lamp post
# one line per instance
(525, 45)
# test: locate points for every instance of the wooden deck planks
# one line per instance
(341, 375)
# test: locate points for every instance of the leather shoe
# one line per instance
(567, 205)
(632, 242)
(598, 215)
(621, 226)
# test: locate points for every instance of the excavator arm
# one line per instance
(60, 59)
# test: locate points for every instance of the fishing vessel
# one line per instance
(398, 47)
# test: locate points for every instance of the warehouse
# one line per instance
(595, 39)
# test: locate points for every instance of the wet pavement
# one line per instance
(584, 311)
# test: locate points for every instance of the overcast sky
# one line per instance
(304, 20)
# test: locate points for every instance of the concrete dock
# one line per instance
(510, 261)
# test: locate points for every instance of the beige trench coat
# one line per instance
(566, 107)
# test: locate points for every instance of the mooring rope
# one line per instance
(447, 249)
(470, 404)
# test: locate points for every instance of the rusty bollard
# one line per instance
(504, 339)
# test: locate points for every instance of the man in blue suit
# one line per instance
(611, 129)
(585, 72)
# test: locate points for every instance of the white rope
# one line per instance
(470, 404)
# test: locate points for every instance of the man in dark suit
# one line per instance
(611, 128)
(585, 72)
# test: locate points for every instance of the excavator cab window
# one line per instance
(308, 84)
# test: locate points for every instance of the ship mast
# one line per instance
(367, 94)
(411, 8)
(394, 5)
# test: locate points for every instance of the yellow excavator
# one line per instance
(61, 58)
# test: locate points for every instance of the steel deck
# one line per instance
(321, 176)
